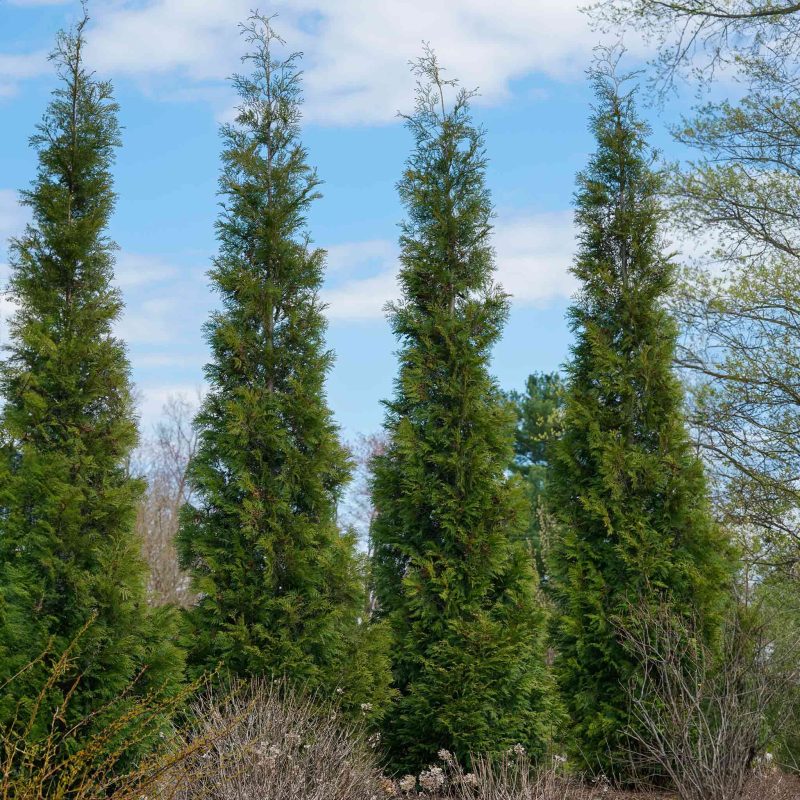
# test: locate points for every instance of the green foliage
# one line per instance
(777, 600)
(280, 587)
(69, 558)
(453, 574)
(538, 411)
(626, 488)
(41, 757)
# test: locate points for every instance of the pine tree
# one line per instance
(280, 587)
(69, 557)
(453, 573)
(538, 411)
(626, 487)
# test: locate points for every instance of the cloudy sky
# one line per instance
(169, 60)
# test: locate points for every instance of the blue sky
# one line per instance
(169, 60)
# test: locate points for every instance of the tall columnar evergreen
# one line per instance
(626, 487)
(453, 573)
(69, 557)
(280, 588)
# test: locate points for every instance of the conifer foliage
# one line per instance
(280, 588)
(71, 571)
(627, 490)
(538, 411)
(453, 575)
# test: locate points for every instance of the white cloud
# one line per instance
(153, 397)
(133, 270)
(13, 216)
(18, 67)
(358, 67)
(534, 253)
(704, 248)
(159, 36)
(361, 299)
(357, 51)
(150, 322)
(349, 256)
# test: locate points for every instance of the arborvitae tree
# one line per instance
(280, 588)
(453, 572)
(538, 424)
(69, 557)
(626, 487)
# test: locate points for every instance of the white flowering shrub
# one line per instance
(432, 780)
(512, 776)
(270, 743)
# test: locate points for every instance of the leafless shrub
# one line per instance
(163, 460)
(513, 778)
(273, 743)
(705, 717)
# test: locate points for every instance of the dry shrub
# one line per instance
(271, 742)
(704, 717)
(512, 777)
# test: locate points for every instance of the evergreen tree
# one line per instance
(453, 575)
(538, 411)
(71, 571)
(280, 587)
(626, 487)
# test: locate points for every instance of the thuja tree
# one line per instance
(453, 572)
(280, 588)
(625, 486)
(71, 572)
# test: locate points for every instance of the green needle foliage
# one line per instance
(452, 569)
(71, 571)
(280, 587)
(627, 490)
(538, 411)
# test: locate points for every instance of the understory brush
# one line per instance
(271, 742)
